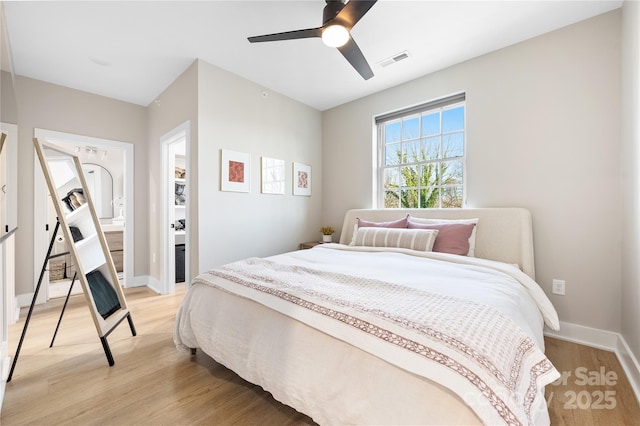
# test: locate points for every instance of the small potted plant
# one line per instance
(327, 234)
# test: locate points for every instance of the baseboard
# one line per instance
(605, 340)
(141, 281)
(596, 338)
(3, 385)
(4, 374)
(630, 365)
(24, 300)
(154, 284)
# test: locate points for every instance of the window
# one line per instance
(421, 155)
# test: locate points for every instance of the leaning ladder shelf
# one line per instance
(87, 244)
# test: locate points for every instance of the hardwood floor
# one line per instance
(150, 383)
(594, 390)
(153, 383)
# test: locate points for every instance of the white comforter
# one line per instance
(473, 325)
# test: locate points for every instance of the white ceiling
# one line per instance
(133, 50)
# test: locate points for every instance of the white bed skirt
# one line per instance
(305, 369)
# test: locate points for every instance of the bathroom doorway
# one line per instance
(110, 167)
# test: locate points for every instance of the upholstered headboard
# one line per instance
(503, 234)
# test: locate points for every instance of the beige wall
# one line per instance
(8, 107)
(543, 132)
(234, 114)
(631, 175)
(47, 106)
(176, 105)
(229, 112)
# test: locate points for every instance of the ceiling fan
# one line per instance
(338, 18)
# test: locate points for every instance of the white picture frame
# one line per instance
(273, 176)
(235, 171)
(301, 179)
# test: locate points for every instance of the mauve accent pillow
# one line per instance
(400, 223)
(452, 238)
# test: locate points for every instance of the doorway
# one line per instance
(112, 154)
(175, 208)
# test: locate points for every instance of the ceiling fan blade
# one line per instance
(289, 35)
(354, 55)
(353, 11)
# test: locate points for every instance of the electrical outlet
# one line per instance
(558, 287)
(153, 258)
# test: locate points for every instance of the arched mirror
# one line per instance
(100, 184)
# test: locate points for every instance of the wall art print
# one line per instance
(235, 171)
(301, 179)
(273, 176)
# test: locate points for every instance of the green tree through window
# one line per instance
(423, 155)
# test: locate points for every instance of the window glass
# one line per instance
(453, 119)
(423, 156)
(392, 132)
(431, 124)
(411, 128)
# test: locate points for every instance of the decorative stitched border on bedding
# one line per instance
(442, 329)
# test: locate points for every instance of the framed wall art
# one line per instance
(235, 171)
(301, 179)
(273, 176)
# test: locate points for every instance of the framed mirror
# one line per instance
(100, 186)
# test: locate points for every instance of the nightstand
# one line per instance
(310, 244)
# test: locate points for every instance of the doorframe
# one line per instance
(167, 271)
(11, 174)
(42, 239)
(11, 210)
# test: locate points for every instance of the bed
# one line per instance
(382, 329)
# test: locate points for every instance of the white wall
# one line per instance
(631, 176)
(543, 132)
(234, 114)
(52, 107)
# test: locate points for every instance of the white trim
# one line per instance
(630, 365)
(139, 281)
(40, 235)
(596, 338)
(4, 373)
(167, 260)
(24, 300)
(167, 284)
(11, 159)
(605, 340)
(153, 284)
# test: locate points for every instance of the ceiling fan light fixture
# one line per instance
(335, 36)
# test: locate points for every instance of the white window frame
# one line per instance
(439, 105)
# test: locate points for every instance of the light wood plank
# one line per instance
(588, 394)
(153, 383)
(150, 383)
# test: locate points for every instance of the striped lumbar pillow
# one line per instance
(414, 239)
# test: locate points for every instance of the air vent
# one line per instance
(395, 58)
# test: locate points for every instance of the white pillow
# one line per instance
(414, 239)
(472, 238)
